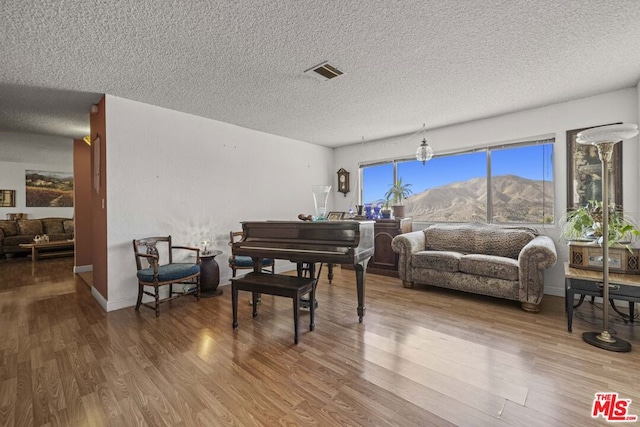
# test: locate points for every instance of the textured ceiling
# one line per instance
(242, 62)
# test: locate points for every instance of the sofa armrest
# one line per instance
(405, 245)
(536, 256)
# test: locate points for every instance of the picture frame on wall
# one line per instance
(7, 198)
(584, 173)
(48, 189)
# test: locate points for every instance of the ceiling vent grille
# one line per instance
(324, 72)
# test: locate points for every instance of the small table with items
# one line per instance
(625, 287)
(50, 249)
(209, 274)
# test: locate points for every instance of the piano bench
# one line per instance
(278, 285)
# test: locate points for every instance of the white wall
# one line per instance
(20, 152)
(174, 173)
(618, 106)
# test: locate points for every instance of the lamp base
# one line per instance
(605, 341)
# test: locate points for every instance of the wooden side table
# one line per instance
(209, 275)
(625, 287)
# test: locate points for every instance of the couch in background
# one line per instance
(499, 261)
(13, 233)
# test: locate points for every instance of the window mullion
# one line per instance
(489, 192)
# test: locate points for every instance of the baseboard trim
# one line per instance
(82, 268)
(98, 296)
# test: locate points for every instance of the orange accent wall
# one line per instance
(82, 202)
(99, 201)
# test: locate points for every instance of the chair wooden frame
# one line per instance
(153, 258)
(235, 236)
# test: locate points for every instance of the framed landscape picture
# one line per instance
(584, 173)
(49, 189)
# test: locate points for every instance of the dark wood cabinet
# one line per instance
(385, 260)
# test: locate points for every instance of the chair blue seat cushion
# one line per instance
(169, 272)
(246, 261)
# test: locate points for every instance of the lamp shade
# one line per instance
(609, 133)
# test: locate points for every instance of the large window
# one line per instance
(376, 179)
(506, 184)
(522, 184)
(448, 188)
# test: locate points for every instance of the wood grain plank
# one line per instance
(8, 392)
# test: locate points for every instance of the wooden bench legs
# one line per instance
(279, 285)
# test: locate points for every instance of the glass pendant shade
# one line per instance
(610, 133)
(424, 153)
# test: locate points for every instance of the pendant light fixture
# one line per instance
(424, 153)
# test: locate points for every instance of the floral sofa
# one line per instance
(13, 233)
(487, 259)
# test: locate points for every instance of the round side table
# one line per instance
(209, 275)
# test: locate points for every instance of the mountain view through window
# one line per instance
(454, 188)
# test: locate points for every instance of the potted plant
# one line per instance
(396, 195)
(585, 223)
(385, 210)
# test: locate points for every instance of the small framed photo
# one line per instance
(335, 216)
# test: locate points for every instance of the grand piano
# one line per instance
(332, 242)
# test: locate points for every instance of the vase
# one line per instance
(367, 210)
(398, 211)
(320, 196)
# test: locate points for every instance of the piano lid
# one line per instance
(324, 241)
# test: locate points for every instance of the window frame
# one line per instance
(526, 142)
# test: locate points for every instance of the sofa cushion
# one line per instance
(8, 227)
(490, 266)
(17, 241)
(52, 225)
(437, 260)
(30, 227)
(486, 239)
(68, 226)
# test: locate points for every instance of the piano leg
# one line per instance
(256, 298)
(310, 267)
(361, 268)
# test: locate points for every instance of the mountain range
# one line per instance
(515, 199)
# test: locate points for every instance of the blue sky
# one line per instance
(531, 162)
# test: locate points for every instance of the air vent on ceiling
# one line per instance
(324, 71)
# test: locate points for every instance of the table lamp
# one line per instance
(604, 138)
(205, 247)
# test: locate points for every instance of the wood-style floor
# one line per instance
(422, 357)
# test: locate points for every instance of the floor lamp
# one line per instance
(604, 138)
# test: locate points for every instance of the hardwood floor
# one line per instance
(422, 357)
